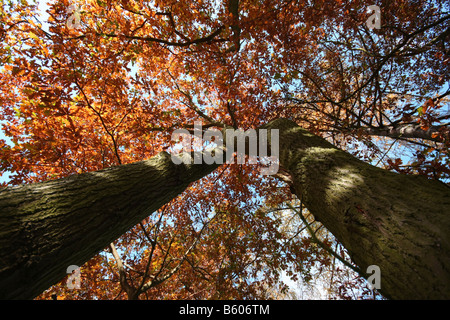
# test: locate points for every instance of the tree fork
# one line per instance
(397, 222)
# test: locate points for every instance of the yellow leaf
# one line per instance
(33, 36)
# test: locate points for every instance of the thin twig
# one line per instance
(322, 245)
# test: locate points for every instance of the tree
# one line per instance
(109, 90)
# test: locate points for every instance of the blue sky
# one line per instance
(4, 177)
(398, 151)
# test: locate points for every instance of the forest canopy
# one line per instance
(89, 85)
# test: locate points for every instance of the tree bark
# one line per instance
(407, 130)
(399, 223)
(46, 227)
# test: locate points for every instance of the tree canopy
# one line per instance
(94, 84)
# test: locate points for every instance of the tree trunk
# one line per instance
(46, 227)
(399, 223)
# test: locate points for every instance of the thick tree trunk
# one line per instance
(46, 227)
(400, 223)
(397, 222)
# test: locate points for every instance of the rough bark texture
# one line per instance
(400, 223)
(414, 131)
(46, 227)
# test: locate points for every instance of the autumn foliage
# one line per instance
(111, 87)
